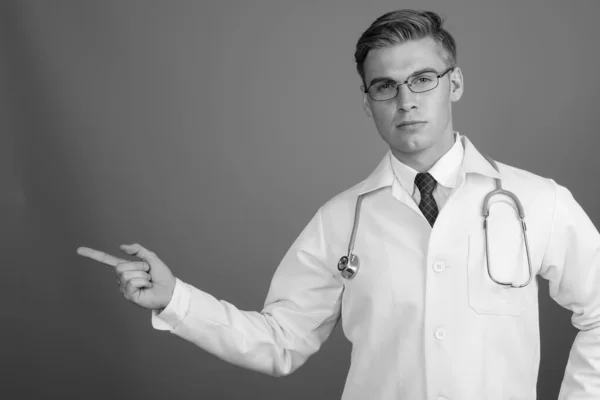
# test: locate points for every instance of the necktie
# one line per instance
(426, 183)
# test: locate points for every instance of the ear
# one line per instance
(366, 103)
(456, 84)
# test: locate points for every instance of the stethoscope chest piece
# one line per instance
(348, 266)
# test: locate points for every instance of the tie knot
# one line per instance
(425, 183)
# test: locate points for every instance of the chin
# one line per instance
(411, 144)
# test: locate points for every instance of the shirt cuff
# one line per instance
(176, 310)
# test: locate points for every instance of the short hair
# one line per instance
(400, 26)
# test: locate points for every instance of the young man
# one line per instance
(436, 307)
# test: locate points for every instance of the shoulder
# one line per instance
(343, 202)
(542, 193)
(523, 180)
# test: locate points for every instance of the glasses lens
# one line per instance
(423, 82)
(383, 91)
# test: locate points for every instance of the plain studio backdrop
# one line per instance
(211, 132)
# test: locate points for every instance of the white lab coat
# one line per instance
(424, 318)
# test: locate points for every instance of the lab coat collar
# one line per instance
(473, 162)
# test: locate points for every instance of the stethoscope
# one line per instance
(350, 263)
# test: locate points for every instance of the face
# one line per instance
(424, 142)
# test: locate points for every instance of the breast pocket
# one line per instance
(508, 263)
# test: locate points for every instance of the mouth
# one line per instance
(409, 123)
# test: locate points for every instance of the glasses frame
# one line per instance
(398, 84)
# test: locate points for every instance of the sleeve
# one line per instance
(301, 310)
(572, 266)
(176, 310)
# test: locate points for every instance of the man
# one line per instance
(436, 307)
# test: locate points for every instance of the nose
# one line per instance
(406, 99)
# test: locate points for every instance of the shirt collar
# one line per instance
(472, 162)
(445, 171)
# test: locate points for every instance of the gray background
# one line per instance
(210, 132)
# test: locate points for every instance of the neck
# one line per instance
(423, 160)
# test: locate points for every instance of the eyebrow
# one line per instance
(389, 79)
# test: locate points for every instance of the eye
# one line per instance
(385, 86)
(423, 79)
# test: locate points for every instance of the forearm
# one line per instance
(270, 342)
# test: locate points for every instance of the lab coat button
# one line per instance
(439, 266)
(440, 334)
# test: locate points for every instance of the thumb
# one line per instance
(130, 249)
(158, 269)
(139, 251)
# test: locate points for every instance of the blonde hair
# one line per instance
(400, 26)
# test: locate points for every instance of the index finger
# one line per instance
(99, 256)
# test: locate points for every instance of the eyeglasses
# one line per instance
(418, 83)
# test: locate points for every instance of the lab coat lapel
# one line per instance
(475, 162)
(382, 176)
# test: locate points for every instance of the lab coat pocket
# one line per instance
(508, 263)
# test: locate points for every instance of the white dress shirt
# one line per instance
(424, 317)
(445, 171)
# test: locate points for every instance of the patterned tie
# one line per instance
(426, 183)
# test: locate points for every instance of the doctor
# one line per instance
(424, 316)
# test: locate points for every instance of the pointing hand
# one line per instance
(148, 283)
